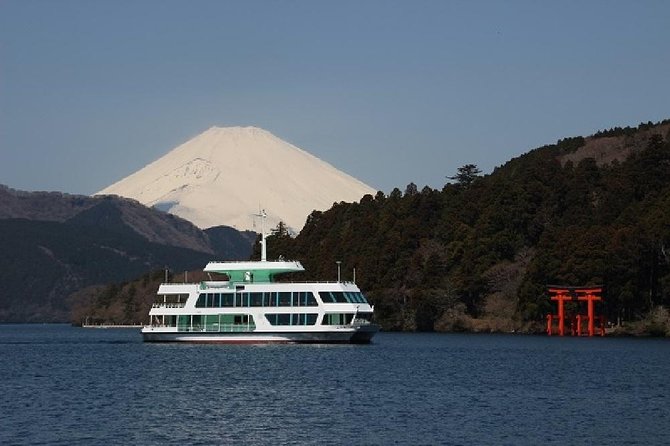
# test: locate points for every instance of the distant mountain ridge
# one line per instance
(60, 207)
(54, 244)
(225, 175)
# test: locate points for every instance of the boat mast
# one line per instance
(263, 216)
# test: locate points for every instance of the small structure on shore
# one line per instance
(590, 295)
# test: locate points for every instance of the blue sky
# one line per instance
(391, 92)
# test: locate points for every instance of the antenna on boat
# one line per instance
(263, 216)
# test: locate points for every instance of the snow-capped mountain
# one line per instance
(225, 175)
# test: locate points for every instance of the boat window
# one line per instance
(241, 319)
(183, 322)
(227, 320)
(227, 299)
(339, 297)
(202, 301)
(342, 297)
(170, 299)
(304, 299)
(304, 319)
(285, 299)
(208, 300)
(211, 300)
(246, 299)
(292, 318)
(211, 322)
(351, 297)
(256, 299)
(326, 297)
(282, 319)
(337, 318)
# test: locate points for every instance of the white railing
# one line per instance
(224, 328)
(168, 305)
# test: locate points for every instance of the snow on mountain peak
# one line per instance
(226, 174)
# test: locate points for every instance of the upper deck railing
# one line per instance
(345, 282)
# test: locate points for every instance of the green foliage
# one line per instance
(426, 258)
(466, 174)
(627, 131)
(570, 145)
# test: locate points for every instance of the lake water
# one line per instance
(66, 385)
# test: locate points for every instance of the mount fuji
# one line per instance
(226, 175)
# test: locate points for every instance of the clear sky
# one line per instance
(391, 92)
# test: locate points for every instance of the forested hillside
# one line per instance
(478, 254)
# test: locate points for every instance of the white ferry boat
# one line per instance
(250, 307)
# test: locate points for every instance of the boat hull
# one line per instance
(361, 335)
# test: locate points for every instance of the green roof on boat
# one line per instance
(253, 271)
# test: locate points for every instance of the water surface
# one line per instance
(66, 385)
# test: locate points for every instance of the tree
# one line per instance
(411, 190)
(281, 230)
(466, 174)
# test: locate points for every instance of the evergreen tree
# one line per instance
(466, 175)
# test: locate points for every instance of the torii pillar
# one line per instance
(590, 295)
(560, 295)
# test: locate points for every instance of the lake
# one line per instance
(63, 385)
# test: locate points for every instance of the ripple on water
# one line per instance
(65, 385)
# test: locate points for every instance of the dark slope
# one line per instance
(229, 243)
(64, 243)
(477, 255)
(44, 262)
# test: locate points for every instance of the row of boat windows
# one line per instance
(310, 319)
(259, 299)
(276, 299)
(188, 320)
(351, 297)
(172, 298)
(215, 322)
(292, 318)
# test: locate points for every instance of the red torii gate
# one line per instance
(560, 295)
(589, 294)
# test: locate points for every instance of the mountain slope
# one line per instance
(478, 255)
(44, 262)
(224, 175)
(71, 242)
(59, 207)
